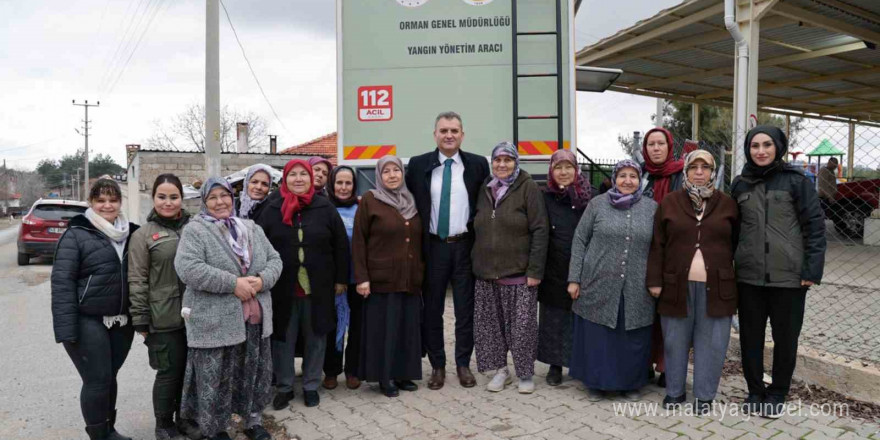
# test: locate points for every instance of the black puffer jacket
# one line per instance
(87, 278)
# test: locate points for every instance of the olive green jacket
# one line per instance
(154, 287)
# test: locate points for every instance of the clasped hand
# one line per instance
(247, 287)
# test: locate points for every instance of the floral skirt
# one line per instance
(230, 380)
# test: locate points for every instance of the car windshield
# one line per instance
(57, 212)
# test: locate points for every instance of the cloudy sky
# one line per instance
(54, 51)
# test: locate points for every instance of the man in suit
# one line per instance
(445, 183)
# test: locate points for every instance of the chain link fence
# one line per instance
(842, 318)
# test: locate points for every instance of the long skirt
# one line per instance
(506, 319)
(554, 335)
(230, 380)
(391, 338)
(610, 359)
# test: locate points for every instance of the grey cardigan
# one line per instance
(206, 264)
(609, 256)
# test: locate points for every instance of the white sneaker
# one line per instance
(526, 386)
(501, 379)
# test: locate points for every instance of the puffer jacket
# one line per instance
(87, 278)
(781, 230)
(155, 289)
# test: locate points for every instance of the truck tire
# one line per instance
(850, 215)
(23, 259)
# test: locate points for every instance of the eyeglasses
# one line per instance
(702, 167)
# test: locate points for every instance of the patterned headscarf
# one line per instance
(400, 198)
(619, 200)
(498, 186)
(699, 194)
(578, 192)
(233, 228)
(294, 203)
(236, 235)
(506, 149)
(247, 203)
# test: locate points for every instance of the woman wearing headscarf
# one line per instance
(510, 250)
(254, 191)
(310, 237)
(565, 197)
(321, 169)
(690, 270)
(662, 175)
(90, 301)
(228, 267)
(388, 270)
(614, 312)
(779, 255)
(156, 297)
(342, 191)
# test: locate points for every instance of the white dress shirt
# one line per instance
(459, 205)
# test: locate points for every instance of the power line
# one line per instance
(123, 42)
(254, 74)
(30, 145)
(143, 33)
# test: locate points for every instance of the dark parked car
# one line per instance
(43, 225)
(853, 204)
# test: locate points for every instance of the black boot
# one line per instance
(554, 376)
(97, 431)
(166, 429)
(111, 430)
(189, 428)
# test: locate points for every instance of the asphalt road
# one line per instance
(39, 387)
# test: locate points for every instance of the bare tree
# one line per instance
(31, 186)
(186, 131)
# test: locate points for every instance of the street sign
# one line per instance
(400, 63)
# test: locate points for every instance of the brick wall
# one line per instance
(189, 167)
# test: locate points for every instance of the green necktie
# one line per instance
(445, 196)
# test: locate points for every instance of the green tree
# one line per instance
(104, 164)
(61, 172)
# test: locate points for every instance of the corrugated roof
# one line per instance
(815, 56)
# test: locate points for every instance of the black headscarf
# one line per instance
(331, 187)
(779, 139)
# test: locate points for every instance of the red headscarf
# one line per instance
(660, 173)
(294, 203)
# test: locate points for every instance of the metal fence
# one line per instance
(842, 313)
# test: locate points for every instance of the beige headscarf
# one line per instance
(400, 198)
(699, 194)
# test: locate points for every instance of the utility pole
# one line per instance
(86, 121)
(79, 196)
(658, 121)
(5, 189)
(212, 88)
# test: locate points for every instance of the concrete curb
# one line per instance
(850, 378)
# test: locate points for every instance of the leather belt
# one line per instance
(452, 238)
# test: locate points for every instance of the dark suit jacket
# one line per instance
(418, 180)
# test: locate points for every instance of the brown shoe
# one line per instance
(438, 378)
(330, 382)
(352, 382)
(465, 377)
